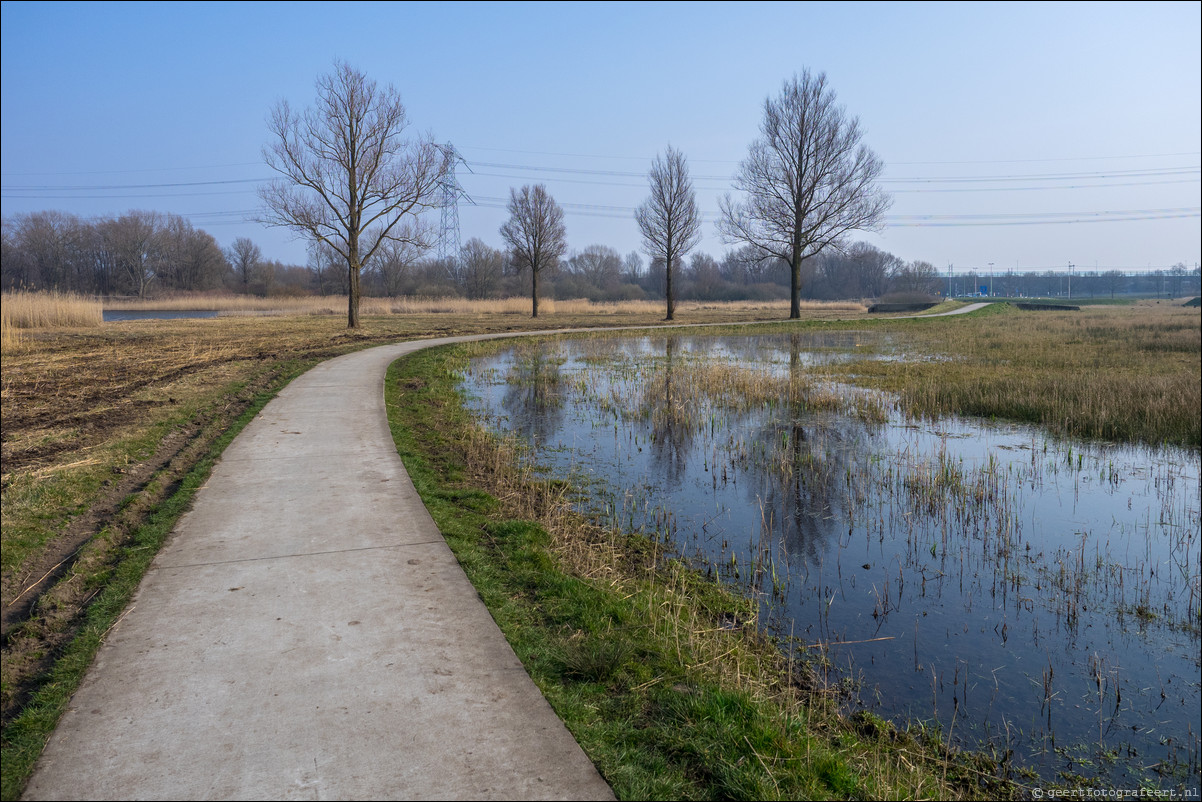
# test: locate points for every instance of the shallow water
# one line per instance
(1026, 593)
(114, 315)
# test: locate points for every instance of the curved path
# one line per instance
(306, 633)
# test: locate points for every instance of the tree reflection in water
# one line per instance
(670, 412)
(534, 395)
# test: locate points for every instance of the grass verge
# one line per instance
(659, 673)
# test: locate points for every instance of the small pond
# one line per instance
(1022, 592)
(114, 315)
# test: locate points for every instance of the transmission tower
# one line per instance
(449, 194)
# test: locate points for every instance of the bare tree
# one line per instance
(136, 242)
(599, 266)
(1114, 280)
(668, 220)
(914, 278)
(535, 233)
(394, 265)
(480, 268)
(328, 276)
(1178, 272)
(244, 256)
(349, 179)
(191, 258)
(49, 245)
(808, 180)
(706, 278)
(632, 267)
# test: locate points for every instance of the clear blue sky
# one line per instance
(1045, 112)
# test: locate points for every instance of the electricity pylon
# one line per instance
(449, 194)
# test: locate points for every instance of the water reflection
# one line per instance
(534, 395)
(117, 315)
(671, 412)
(1033, 593)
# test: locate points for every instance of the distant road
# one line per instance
(962, 311)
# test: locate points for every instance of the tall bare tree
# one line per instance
(808, 180)
(349, 179)
(669, 220)
(49, 245)
(535, 233)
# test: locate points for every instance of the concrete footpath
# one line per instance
(306, 633)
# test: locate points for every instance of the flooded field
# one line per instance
(1037, 598)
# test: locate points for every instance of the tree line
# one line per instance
(125, 255)
(142, 254)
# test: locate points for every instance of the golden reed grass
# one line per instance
(336, 305)
(44, 310)
(47, 310)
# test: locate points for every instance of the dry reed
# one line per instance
(10, 336)
(43, 310)
(48, 310)
(336, 305)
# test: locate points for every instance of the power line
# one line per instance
(921, 220)
(86, 187)
(1091, 175)
(1045, 188)
(26, 194)
(137, 195)
(906, 163)
(581, 175)
(1101, 174)
(142, 169)
(1063, 159)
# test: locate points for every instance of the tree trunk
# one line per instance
(352, 297)
(669, 297)
(534, 291)
(795, 289)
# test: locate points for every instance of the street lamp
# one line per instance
(1070, 281)
(991, 279)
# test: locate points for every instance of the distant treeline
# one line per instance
(147, 253)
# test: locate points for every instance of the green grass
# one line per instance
(629, 647)
(1126, 374)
